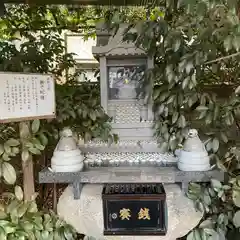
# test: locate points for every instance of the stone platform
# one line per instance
(128, 175)
(81, 203)
(85, 214)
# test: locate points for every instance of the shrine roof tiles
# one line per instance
(117, 51)
(108, 45)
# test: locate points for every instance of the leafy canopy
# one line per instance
(195, 84)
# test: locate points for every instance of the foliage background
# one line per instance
(31, 40)
(195, 84)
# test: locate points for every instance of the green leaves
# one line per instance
(182, 122)
(175, 117)
(9, 149)
(35, 126)
(2, 234)
(224, 137)
(212, 144)
(176, 45)
(33, 146)
(194, 235)
(34, 151)
(206, 197)
(208, 223)
(236, 219)
(12, 142)
(43, 139)
(215, 145)
(1, 149)
(44, 53)
(9, 173)
(237, 91)
(216, 184)
(29, 140)
(228, 43)
(202, 108)
(236, 198)
(156, 93)
(236, 191)
(21, 220)
(191, 63)
(93, 115)
(18, 193)
(185, 82)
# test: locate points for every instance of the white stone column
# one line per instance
(86, 213)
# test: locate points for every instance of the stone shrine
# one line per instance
(122, 68)
(136, 158)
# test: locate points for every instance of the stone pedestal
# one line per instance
(86, 213)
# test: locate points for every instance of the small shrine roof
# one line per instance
(109, 45)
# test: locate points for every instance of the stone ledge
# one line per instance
(130, 175)
(120, 149)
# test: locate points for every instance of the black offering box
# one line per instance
(134, 209)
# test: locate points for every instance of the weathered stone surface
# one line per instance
(146, 174)
(86, 214)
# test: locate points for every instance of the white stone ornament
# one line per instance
(67, 156)
(193, 142)
(194, 156)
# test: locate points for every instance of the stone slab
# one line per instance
(116, 149)
(129, 175)
(86, 215)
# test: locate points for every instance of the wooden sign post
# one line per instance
(23, 97)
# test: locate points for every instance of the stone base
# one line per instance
(86, 213)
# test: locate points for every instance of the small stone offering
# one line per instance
(67, 157)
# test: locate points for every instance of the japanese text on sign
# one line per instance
(143, 214)
(125, 213)
(26, 96)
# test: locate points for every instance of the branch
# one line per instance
(236, 122)
(222, 58)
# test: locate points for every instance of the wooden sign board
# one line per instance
(26, 97)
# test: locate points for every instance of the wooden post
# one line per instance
(27, 168)
(55, 197)
(28, 179)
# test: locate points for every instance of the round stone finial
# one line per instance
(67, 141)
(193, 142)
(67, 132)
(193, 156)
(192, 133)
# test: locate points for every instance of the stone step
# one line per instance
(129, 175)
